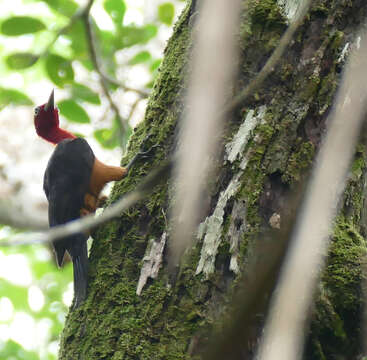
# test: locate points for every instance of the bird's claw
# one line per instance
(101, 202)
(141, 155)
(147, 153)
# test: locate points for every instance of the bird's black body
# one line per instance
(65, 183)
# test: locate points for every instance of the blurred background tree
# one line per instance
(102, 71)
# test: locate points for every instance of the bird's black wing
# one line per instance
(66, 181)
(61, 209)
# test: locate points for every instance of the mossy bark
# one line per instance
(280, 127)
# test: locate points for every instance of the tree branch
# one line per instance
(15, 216)
(102, 78)
(90, 221)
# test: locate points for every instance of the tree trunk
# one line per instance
(270, 144)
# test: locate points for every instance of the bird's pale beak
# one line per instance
(50, 103)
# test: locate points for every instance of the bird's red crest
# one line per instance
(46, 122)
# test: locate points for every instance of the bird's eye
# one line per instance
(36, 111)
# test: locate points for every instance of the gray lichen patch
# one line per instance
(152, 261)
(236, 230)
(344, 53)
(290, 8)
(241, 138)
(212, 228)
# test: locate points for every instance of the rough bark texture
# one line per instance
(270, 144)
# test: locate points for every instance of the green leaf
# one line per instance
(19, 25)
(64, 7)
(166, 12)
(73, 111)
(155, 65)
(78, 38)
(140, 57)
(20, 61)
(12, 96)
(13, 350)
(124, 139)
(150, 84)
(87, 64)
(113, 137)
(116, 9)
(106, 43)
(108, 138)
(17, 294)
(82, 92)
(59, 70)
(131, 35)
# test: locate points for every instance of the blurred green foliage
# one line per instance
(12, 350)
(166, 13)
(50, 282)
(48, 39)
(73, 111)
(57, 48)
(12, 96)
(19, 25)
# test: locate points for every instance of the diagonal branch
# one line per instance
(90, 222)
(83, 14)
(16, 217)
(67, 27)
(102, 78)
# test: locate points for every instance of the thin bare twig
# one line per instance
(133, 107)
(143, 94)
(103, 80)
(14, 216)
(67, 27)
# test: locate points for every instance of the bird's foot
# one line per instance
(84, 212)
(147, 153)
(101, 202)
(90, 202)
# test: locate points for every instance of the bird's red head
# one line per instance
(46, 122)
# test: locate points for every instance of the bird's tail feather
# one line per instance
(80, 264)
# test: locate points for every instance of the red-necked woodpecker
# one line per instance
(73, 181)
